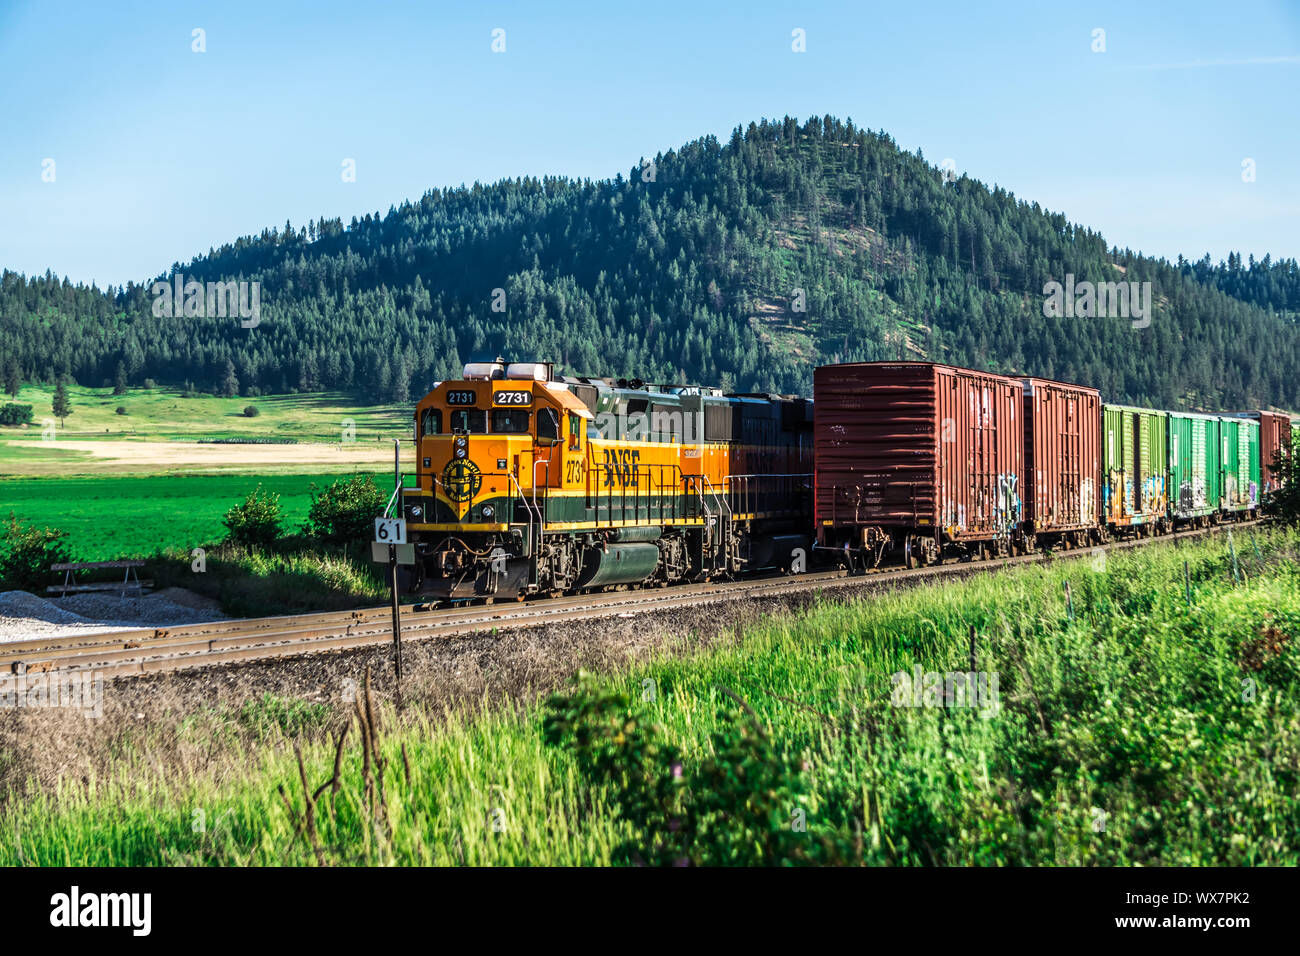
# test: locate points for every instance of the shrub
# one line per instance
(12, 414)
(121, 410)
(26, 553)
(255, 521)
(1283, 504)
(346, 510)
(250, 411)
(728, 809)
(150, 384)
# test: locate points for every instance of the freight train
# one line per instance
(533, 483)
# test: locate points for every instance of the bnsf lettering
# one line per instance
(620, 467)
(513, 398)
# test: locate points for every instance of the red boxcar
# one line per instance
(1062, 493)
(916, 456)
(1274, 437)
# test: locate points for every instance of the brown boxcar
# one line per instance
(917, 456)
(1274, 438)
(1062, 493)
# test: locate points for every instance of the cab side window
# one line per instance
(548, 425)
(432, 423)
(575, 432)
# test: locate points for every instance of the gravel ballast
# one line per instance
(25, 616)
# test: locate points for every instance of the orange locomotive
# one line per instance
(533, 483)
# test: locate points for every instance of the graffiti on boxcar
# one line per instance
(1008, 503)
(1088, 502)
(1153, 498)
(1191, 495)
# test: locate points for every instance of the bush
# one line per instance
(1283, 504)
(346, 510)
(725, 810)
(12, 414)
(121, 410)
(250, 411)
(150, 384)
(257, 520)
(26, 553)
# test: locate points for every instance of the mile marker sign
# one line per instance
(390, 531)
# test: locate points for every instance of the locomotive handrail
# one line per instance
(748, 495)
(392, 500)
(532, 543)
(714, 492)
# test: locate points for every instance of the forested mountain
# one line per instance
(688, 269)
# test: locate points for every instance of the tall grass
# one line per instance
(1139, 729)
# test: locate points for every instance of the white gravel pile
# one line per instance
(25, 616)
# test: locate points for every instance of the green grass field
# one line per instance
(162, 414)
(109, 518)
(1143, 725)
(327, 430)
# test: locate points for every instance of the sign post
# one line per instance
(390, 545)
(390, 535)
(392, 564)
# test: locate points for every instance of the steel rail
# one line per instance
(153, 650)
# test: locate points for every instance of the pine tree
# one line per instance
(119, 379)
(13, 378)
(62, 408)
(229, 381)
(401, 387)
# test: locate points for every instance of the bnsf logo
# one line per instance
(620, 467)
(513, 398)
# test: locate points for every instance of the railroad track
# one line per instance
(154, 650)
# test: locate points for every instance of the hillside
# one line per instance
(687, 269)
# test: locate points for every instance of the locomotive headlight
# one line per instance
(487, 511)
(416, 511)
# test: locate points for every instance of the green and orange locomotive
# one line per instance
(533, 483)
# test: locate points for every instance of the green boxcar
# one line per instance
(1135, 465)
(1239, 454)
(1195, 470)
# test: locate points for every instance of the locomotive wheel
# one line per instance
(909, 559)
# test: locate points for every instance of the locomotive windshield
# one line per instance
(472, 420)
(475, 421)
(510, 421)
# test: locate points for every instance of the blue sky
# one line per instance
(160, 152)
